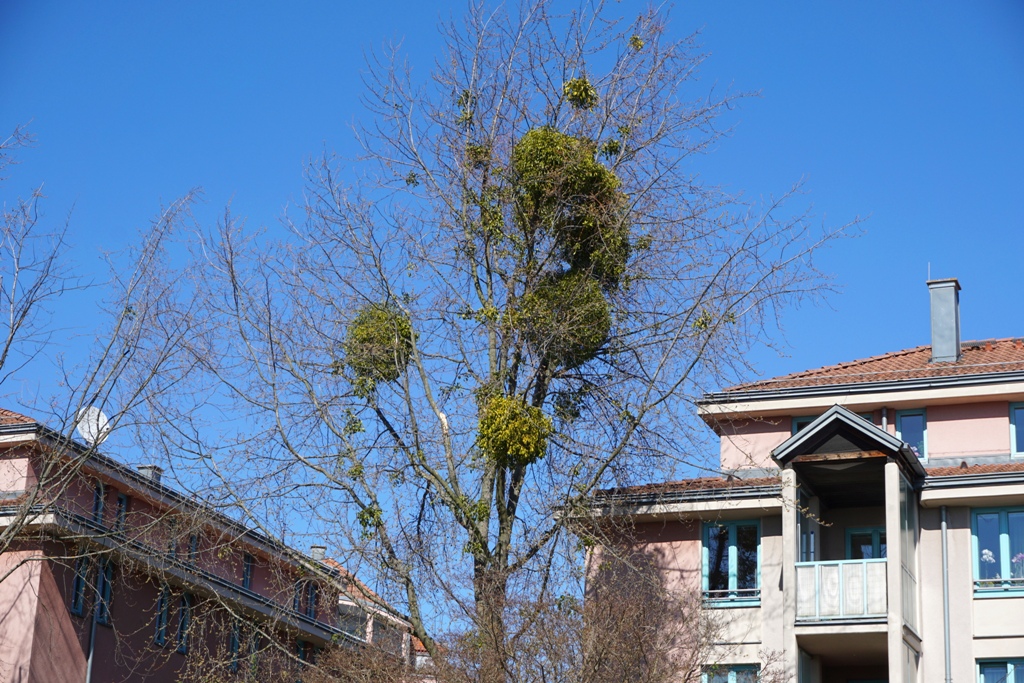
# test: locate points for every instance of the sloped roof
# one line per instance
(985, 357)
(992, 468)
(9, 417)
(687, 485)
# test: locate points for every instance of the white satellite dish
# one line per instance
(93, 425)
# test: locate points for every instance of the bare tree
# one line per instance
(132, 355)
(512, 304)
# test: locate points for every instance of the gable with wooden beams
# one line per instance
(841, 458)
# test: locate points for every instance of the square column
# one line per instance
(894, 564)
(790, 554)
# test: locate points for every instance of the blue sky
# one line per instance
(906, 114)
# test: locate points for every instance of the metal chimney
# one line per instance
(945, 299)
(151, 472)
(318, 552)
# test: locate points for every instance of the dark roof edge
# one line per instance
(156, 488)
(737, 492)
(953, 481)
(719, 397)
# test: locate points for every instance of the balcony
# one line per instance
(841, 590)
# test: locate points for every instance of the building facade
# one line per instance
(107, 574)
(869, 521)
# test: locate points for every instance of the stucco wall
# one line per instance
(749, 443)
(16, 471)
(675, 548)
(18, 600)
(968, 430)
(59, 645)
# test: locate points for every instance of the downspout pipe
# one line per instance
(92, 642)
(945, 594)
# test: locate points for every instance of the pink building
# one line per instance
(108, 575)
(821, 470)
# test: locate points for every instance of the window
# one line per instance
(998, 549)
(730, 674)
(800, 422)
(248, 563)
(193, 548)
(99, 495)
(184, 622)
(78, 588)
(304, 650)
(352, 619)
(912, 427)
(163, 607)
(1017, 429)
(310, 610)
(304, 600)
(104, 581)
(731, 563)
(235, 644)
(254, 653)
(172, 539)
(121, 513)
(865, 544)
(1006, 671)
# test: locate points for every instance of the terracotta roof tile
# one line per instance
(9, 417)
(698, 484)
(991, 356)
(994, 468)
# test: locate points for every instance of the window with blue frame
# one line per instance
(163, 608)
(800, 422)
(912, 427)
(78, 588)
(193, 548)
(998, 548)
(1017, 429)
(866, 544)
(743, 673)
(1005, 671)
(99, 496)
(184, 622)
(121, 513)
(104, 587)
(235, 644)
(248, 564)
(731, 562)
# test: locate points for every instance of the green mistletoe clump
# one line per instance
(378, 343)
(580, 93)
(562, 189)
(566, 319)
(513, 434)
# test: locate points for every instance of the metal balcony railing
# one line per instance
(841, 589)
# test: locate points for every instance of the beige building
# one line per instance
(869, 521)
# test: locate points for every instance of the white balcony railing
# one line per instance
(842, 589)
